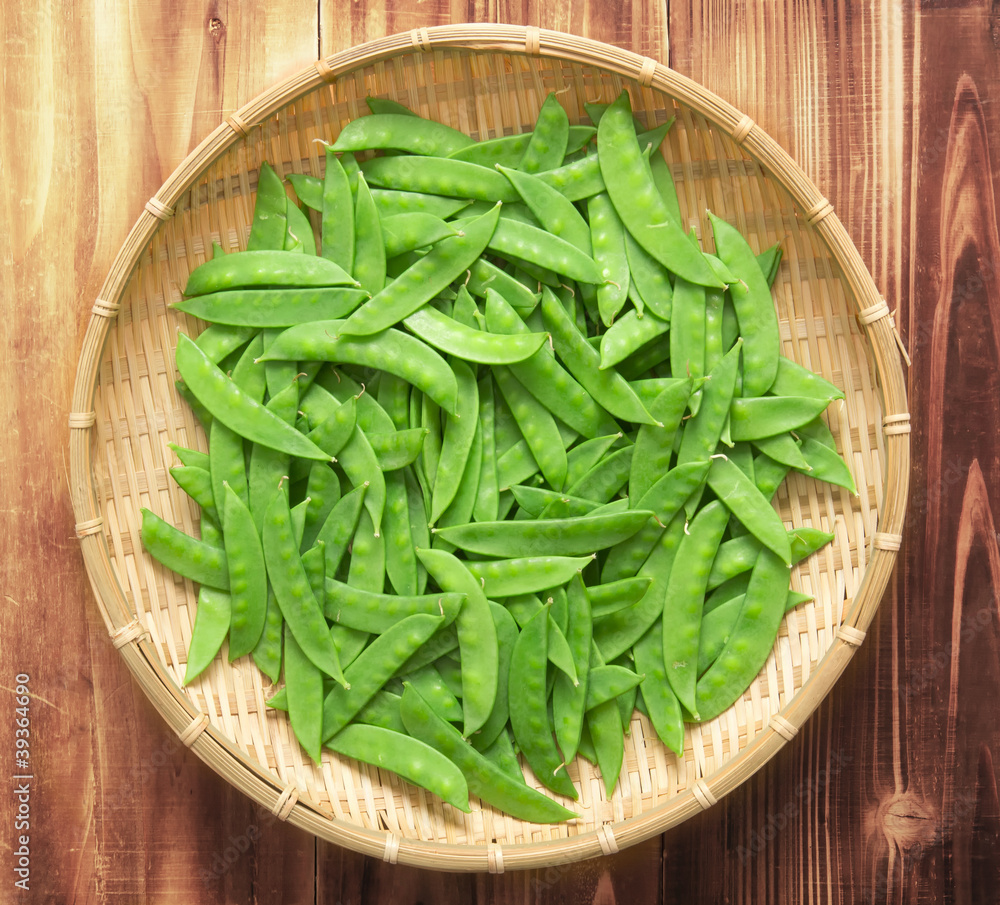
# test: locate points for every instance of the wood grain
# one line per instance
(888, 794)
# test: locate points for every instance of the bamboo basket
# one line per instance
(486, 80)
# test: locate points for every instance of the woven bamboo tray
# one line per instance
(487, 81)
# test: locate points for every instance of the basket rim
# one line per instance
(259, 783)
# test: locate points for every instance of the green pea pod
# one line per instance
(486, 507)
(685, 595)
(654, 445)
(400, 557)
(765, 416)
(308, 189)
(402, 132)
(825, 464)
(546, 379)
(794, 380)
(741, 497)
(547, 145)
(628, 334)
(211, 625)
(373, 667)
(750, 640)
(304, 688)
(559, 537)
(247, 576)
(268, 652)
(196, 483)
(432, 688)
(456, 443)
(369, 249)
(438, 176)
(391, 350)
(370, 611)
(485, 780)
(616, 595)
(661, 703)
(536, 424)
(507, 631)
(608, 388)
(758, 320)
(294, 596)
(247, 269)
(784, 449)
(425, 279)
(553, 211)
(630, 185)
(607, 236)
(650, 279)
(366, 569)
(616, 633)
(184, 554)
(606, 478)
(408, 757)
(298, 230)
(237, 409)
(476, 636)
(529, 710)
(393, 201)
(505, 151)
(269, 221)
(449, 336)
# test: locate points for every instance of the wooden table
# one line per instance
(888, 794)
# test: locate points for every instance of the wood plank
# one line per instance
(121, 810)
(641, 28)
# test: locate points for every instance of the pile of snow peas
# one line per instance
(493, 444)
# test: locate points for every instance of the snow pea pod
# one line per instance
(264, 267)
(662, 705)
(632, 191)
(485, 780)
(456, 442)
(272, 307)
(583, 361)
(628, 334)
(401, 132)
(685, 595)
(390, 350)
(235, 408)
(183, 554)
(421, 282)
(304, 689)
(750, 640)
(369, 246)
(477, 637)
(373, 667)
(211, 625)
(269, 222)
(546, 379)
(405, 756)
(741, 497)
(558, 537)
(547, 145)
(439, 176)
(607, 236)
(758, 321)
(526, 574)
(537, 425)
(299, 607)
(765, 416)
(247, 576)
(529, 717)
(448, 335)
